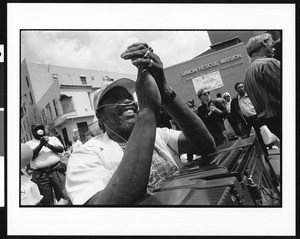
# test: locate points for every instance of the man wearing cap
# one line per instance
(133, 157)
(263, 81)
(48, 171)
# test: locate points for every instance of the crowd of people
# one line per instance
(139, 148)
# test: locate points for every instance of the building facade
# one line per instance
(61, 98)
(217, 70)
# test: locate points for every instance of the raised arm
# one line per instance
(195, 138)
(129, 183)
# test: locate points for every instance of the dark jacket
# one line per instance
(236, 113)
(213, 122)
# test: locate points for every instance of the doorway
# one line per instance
(65, 135)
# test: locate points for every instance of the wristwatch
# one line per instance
(168, 98)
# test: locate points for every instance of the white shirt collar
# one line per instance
(246, 95)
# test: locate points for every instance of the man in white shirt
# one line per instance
(242, 111)
(48, 171)
(133, 157)
(77, 143)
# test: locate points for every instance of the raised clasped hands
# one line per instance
(44, 141)
(143, 57)
(150, 81)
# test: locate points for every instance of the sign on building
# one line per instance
(211, 81)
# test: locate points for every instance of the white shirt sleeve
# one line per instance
(86, 175)
(55, 142)
(170, 137)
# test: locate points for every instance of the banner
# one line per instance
(211, 81)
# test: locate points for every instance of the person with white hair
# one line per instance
(235, 125)
(227, 97)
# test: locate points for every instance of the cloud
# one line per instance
(101, 50)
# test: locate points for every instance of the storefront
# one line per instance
(218, 71)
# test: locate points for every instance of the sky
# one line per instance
(101, 50)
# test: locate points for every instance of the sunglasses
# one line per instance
(206, 93)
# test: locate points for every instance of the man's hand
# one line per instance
(44, 141)
(143, 57)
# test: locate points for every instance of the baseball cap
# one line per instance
(126, 83)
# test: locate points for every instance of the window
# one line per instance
(93, 78)
(90, 99)
(24, 125)
(31, 99)
(27, 137)
(55, 107)
(27, 123)
(21, 128)
(27, 81)
(55, 76)
(23, 110)
(66, 104)
(44, 116)
(107, 78)
(48, 109)
(83, 79)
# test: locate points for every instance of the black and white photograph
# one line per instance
(175, 118)
(79, 138)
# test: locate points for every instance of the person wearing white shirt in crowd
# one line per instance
(242, 110)
(133, 157)
(76, 144)
(48, 170)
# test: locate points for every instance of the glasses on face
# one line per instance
(206, 93)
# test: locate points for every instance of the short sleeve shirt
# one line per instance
(91, 166)
(46, 156)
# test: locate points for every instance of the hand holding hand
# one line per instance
(44, 141)
(143, 57)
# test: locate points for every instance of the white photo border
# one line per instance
(151, 221)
